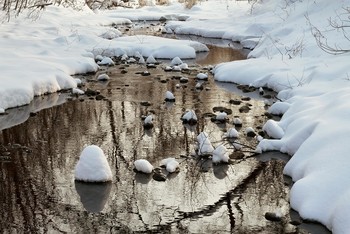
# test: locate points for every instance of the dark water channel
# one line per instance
(40, 145)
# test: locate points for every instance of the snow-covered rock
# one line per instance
(204, 145)
(190, 117)
(93, 166)
(143, 165)
(279, 108)
(103, 77)
(232, 133)
(169, 96)
(106, 61)
(221, 117)
(202, 76)
(170, 164)
(272, 128)
(220, 154)
(249, 131)
(237, 122)
(151, 60)
(176, 61)
(148, 122)
(77, 91)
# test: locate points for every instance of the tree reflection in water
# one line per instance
(38, 192)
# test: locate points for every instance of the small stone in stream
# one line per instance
(244, 109)
(245, 98)
(99, 97)
(151, 65)
(235, 102)
(268, 115)
(124, 71)
(158, 175)
(267, 96)
(222, 109)
(295, 222)
(145, 103)
(145, 73)
(261, 133)
(236, 155)
(271, 216)
(32, 114)
(90, 92)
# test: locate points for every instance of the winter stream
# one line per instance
(40, 144)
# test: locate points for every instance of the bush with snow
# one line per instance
(93, 166)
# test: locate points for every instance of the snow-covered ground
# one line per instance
(40, 56)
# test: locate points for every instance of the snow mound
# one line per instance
(142, 165)
(272, 129)
(220, 154)
(204, 145)
(170, 164)
(232, 133)
(93, 166)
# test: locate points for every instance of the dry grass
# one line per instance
(189, 3)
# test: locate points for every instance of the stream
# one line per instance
(40, 145)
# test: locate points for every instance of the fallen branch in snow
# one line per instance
(41, 5)
(321, 39)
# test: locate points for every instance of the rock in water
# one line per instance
(93, 166)
(142, 165)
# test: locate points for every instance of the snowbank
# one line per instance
(39, 57)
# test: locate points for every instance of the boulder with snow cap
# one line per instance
(190, 118)
(148, 122)
(220, 155)
(93, 166)
(144, 166)
(170, 164)
(169, 97)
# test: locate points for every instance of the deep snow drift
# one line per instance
(313, 85)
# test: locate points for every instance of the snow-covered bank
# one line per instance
(316, 87)
(39, 57)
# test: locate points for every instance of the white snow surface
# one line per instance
(93, 166)
(39, 57)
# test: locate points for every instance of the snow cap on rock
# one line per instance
(93, 166)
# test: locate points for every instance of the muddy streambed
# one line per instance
(40, 145)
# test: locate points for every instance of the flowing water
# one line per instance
(40, 145)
